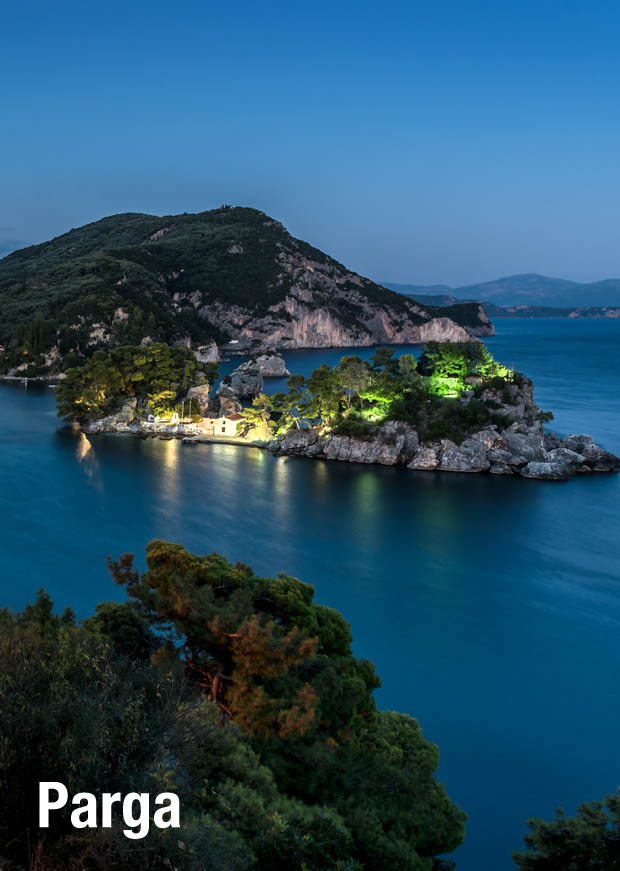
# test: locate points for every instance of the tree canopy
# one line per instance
(356, 395)
(157, 374)
(589, 841)
(237, 691)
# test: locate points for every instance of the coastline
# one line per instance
(519, 451)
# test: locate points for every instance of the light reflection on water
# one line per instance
(491, 606)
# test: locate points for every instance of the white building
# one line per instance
(222, 426)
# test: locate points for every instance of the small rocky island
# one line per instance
(456, 409)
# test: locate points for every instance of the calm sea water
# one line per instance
(491, 606)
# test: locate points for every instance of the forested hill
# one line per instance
(198, 278)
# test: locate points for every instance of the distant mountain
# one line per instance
(529, 289)
(224, 274)
(521, 311)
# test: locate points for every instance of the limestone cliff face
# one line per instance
(328, 306)
(314, 323)
(222, 275)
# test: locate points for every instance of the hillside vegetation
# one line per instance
(192, 278)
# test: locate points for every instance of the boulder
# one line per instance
(546, 470)
(244, 383)
(526, 443)
(128, 411)
(425, 458)
(199, 396)
(295, 441)
(269, 365)
(501, 469)
(207, 353)
(228, 402)
(488, 437)
(564, 456)
(577, 443)
(504, 457)
(470, 456)
(594, 456)
(551, 441)
(352, 450)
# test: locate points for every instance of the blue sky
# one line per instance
(414, 141)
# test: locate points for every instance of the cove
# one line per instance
(490, 606)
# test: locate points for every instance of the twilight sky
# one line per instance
(420, 142)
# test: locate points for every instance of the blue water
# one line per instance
(490, 605)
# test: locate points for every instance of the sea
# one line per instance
(490, 605)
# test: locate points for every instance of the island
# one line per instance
(455, 409)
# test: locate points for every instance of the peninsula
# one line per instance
(201, 280)
(456, 409)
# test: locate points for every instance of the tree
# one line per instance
(291, 405)
(383, 358)
(77, 707)
(156, 374)
(280, 667)
(248, 641)
(589, 841)
(353, 374)
(324, 394)
(258, 417)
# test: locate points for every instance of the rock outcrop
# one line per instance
(304, 320)
(391, 445)
(227, 401)
(244, 382)
(516, 450)
(268, 365)
(207, 353)
(522, 448)
(201, 396)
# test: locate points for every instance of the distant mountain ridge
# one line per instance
(200, 280)
(528, 289)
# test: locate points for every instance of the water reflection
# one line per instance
(87, 457)
(490, 606)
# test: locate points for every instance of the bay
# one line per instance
(491, 606)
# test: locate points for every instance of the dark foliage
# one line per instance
(589, 841)
(236, 691)
(130, 277)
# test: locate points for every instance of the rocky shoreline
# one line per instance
(514, 442)
(519, 450)
(522, 450)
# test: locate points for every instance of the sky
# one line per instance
(416, 142)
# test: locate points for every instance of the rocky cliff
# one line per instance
(517, 450)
